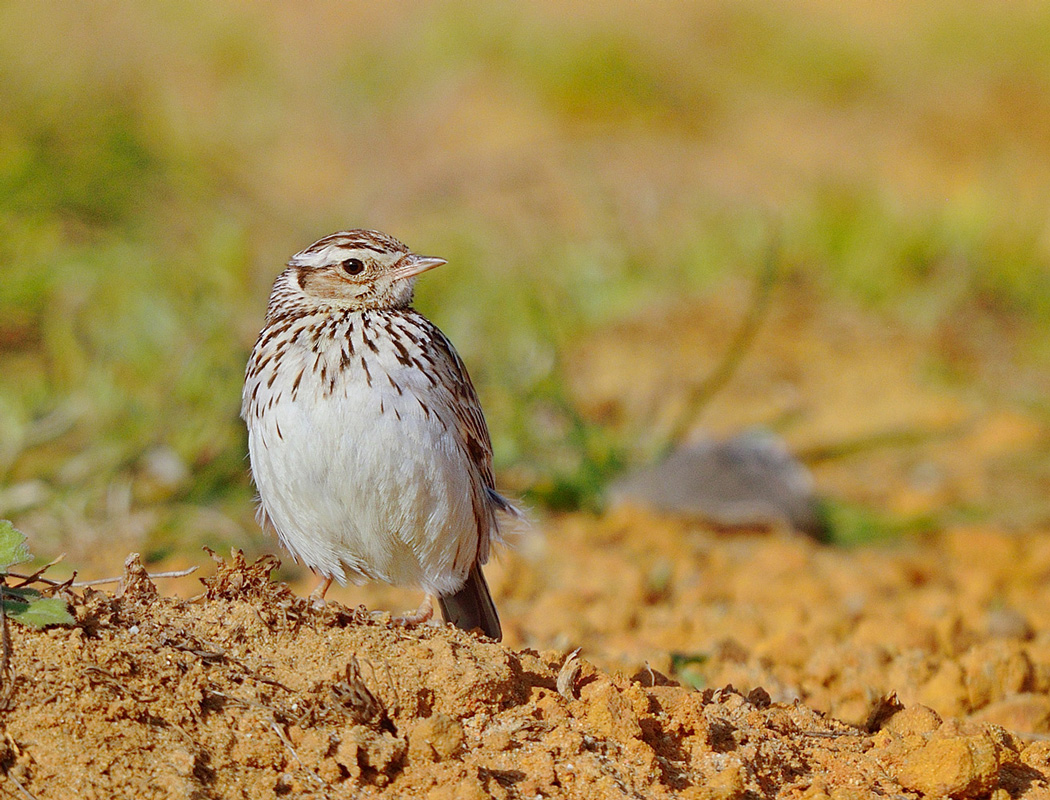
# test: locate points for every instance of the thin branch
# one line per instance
(276, 728)
(32, 578)
(26, 579)
(25, 792)
(903, 436)
(181, 573)
(7, 677)
(734, 355)
(274, 725)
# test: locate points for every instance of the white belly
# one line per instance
(361, 483)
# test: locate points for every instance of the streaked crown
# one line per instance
(338, 246)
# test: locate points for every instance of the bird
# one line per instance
(367, 442)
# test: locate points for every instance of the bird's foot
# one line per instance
(316, 597)
(420, 616)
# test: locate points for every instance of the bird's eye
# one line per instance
(353, 266)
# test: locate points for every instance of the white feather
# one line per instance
(359, 482)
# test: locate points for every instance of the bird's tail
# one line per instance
(472, 607)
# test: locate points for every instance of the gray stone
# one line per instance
(747, 481)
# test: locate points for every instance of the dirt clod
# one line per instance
(435, 738)
(959, 767)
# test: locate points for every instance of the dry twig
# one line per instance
(6, 672)
(702, 394)
(179, 573)
(23, 790)
(36, 576)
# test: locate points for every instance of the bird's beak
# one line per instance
(412, 265)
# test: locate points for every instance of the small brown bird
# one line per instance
(367, 441)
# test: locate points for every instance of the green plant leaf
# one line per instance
(13, 548)
(39, 613)
(688, 668)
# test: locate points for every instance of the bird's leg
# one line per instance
(316, 597)
(417, 617)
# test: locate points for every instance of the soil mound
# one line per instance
(250, 692)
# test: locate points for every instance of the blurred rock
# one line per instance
(1026, 712)
(748, 481)
(996, 669)
(162, 474)
(946, 691)
(1008, 623)
(19, 497)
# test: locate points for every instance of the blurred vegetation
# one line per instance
(159, 162)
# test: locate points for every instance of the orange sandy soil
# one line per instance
(919, 668)
(247, 691)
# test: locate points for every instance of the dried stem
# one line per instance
(698, 399)
(181, 573)
(22, 790)
(7, 677)
(36, 576)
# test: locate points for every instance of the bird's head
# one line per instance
(358, 269)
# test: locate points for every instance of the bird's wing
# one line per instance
(467, 409)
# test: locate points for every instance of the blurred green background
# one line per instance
(578, 165)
